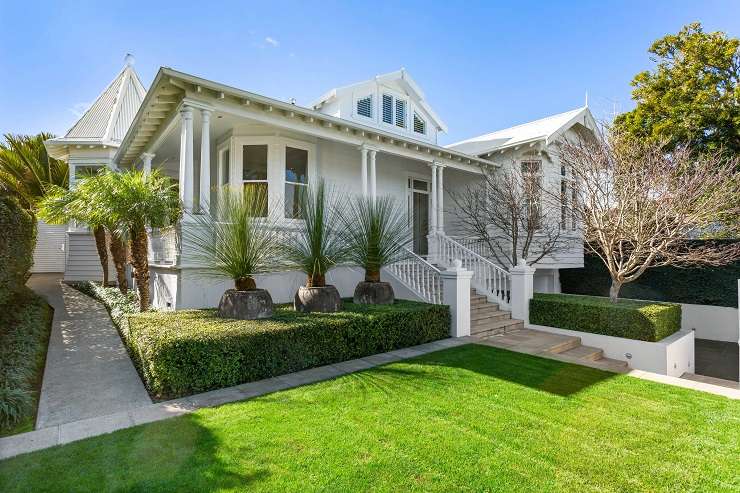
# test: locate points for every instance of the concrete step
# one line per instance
(487, 312)
(564, 343)
(484, 307)
(491, 319)
(478, 300)
(586, 353)
(497, 327)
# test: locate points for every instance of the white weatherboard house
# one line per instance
(377, 137)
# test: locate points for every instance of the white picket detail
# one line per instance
(488, 278)
(421, 277)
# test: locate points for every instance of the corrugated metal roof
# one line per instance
(111, 114)
(538, 129)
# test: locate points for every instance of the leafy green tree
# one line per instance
(26, 170)
(692, 97)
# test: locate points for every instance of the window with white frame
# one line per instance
(225, 167)
(420, 126)
(532, 181)
(394, 110)
(365, 106)
(296, 179)
(254, 175)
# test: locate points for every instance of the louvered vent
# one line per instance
(365, 106)
(388, 109)
(400, 113)
(420, 126)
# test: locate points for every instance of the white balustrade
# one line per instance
(419, 276)
(164, 246)
(488, 278)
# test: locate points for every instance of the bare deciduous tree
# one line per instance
(640, 205)
(513, 213)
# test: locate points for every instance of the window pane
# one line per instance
(255, 162)
(258, 190)
(82, 172)
(388, 109)
(420, 185)
(296, 165)
(225, 167)
(293, 192)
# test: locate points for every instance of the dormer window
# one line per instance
(394, 111)
(365, 106)
(420, 126)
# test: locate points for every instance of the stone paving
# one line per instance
(88, 372)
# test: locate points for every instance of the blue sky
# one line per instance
(483, 66)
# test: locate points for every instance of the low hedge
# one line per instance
(185, 352)
(631, 319)
(24, 336)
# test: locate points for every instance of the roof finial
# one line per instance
(129, 60)
(586, 99)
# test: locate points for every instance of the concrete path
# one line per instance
(88, 372)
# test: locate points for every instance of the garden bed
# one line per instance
(25, 325)
(185, 352)
(631, 319)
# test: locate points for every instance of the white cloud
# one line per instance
(272, 41)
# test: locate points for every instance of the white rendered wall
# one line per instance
(716, 323)
(673, 356)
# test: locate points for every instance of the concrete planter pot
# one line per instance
(325, 299)
(374, 293)
(245, 305)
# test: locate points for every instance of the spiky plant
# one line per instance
(318, 245)
(135, 200)
(27, 171)
(238, 240)
(375, 232)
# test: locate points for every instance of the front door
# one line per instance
(418, 193)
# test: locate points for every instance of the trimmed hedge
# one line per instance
(631, 319)
(185, 352)
(24, 335)
(17, 241)
(697, 285)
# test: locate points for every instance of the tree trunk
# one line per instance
(139, 257)
(100, 244)
(245, 284)
(316, 281)
(372, 275)
(118, 252)
(614, 290)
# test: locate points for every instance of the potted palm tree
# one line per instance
(134, 200)
(376, 234)
(315, 249)
(238, 241)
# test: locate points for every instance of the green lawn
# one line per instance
(472, 418)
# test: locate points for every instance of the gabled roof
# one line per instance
(108, 118)
(546, 129)
(403, 78)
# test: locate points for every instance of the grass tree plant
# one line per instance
(239, 241)
(316, 248)
(376, 234)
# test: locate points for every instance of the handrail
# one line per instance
(492, 280)
(419, 276)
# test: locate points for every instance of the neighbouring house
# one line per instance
(376, 137)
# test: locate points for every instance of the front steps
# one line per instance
(495, 327)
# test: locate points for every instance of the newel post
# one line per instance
(456, 294)
(522, 290)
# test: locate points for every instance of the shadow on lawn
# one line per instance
(554, 377)
(178, 454)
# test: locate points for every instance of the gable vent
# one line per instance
(400, 113)
(420, 126)
(365, 106)
(388, 109)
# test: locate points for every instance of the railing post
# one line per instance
(456, 294)
(522, 290)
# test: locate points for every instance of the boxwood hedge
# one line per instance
(184, 352)
(17, 242)
(632, 319)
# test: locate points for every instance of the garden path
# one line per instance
(88, 372)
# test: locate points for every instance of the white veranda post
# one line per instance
(363, 155)
(146, 160)
(205, 161)
(433, 215)
(372, 174)
(440, 200)
(186, 158)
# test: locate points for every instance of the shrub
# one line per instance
(631, 319)
(698, 285)
(17, 242)
(24, 334)
(184, 352)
